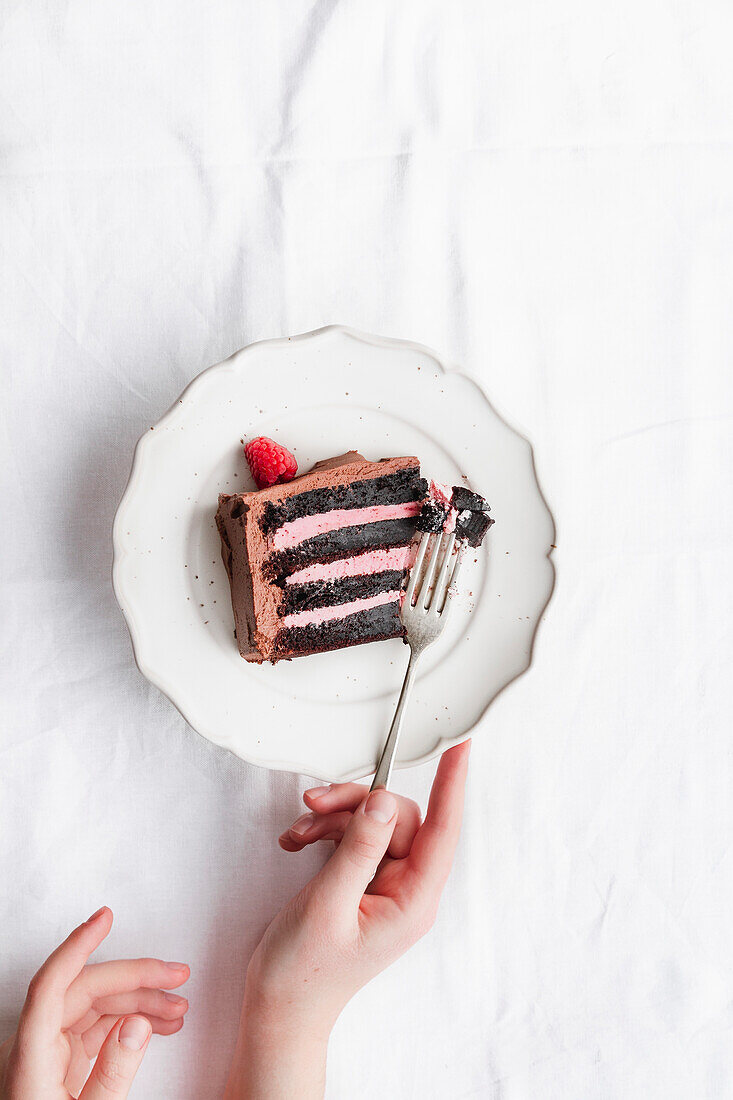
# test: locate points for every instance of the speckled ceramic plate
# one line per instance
(321, 394)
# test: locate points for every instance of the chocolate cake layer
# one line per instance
(302, 597)
(365, 626)
(398, 488)
(432, 517)
(336, 544)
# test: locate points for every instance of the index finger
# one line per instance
(45, 1001)
(433, 848)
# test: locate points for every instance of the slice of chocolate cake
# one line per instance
(318, 563)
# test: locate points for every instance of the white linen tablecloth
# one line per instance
(544, 193)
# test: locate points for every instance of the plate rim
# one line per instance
(120, 552)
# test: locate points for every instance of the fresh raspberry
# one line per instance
(269, 462)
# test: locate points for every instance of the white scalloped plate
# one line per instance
(321, 394)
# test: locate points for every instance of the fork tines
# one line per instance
(428, 585)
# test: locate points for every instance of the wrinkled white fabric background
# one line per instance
(544, 193)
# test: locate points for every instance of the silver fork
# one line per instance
(423, 614)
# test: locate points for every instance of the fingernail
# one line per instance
(174, 998)
(317, 792)
(302, 825)
(95, 915)
(380, 806)
(134, 1033)
(176, 966)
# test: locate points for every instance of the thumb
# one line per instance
(118, 1060)
(352, 866)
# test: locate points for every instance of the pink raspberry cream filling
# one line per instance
(307, 527)
(318, 615)
(374, 561)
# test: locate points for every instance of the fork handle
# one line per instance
(386, 760)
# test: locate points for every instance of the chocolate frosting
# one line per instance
(338, 460)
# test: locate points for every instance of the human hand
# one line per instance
(75, 1013)
(376, 896)
(331, 810)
